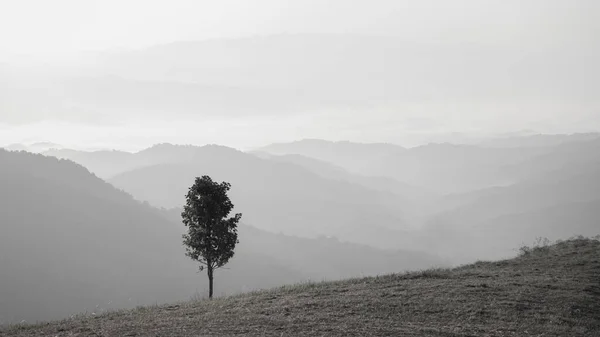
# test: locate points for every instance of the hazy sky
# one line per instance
(60, 29)
(75, 25)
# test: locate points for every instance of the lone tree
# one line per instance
(211, 237)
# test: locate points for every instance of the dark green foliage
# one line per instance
(211, 236)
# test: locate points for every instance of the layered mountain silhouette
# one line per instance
(387, 196)
(277, 196)
(490, 198)
(555, 195)
(537, 140)
(447, 168)
(37, 147)
(71, 243)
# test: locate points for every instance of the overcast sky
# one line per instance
(75, 25)
(60, 29)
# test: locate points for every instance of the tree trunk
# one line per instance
(210, 282)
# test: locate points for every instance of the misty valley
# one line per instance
(98, 231)
(296, 168)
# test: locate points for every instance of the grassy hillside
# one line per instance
(550, 291)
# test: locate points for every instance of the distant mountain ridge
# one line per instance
(442, 168)
(539, 140)
(385, 195)
(488, 199)
(349, 155)
(277, 196)
(107, 164)
(70, 243)
(38, 147)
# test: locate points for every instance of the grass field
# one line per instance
(549, 291)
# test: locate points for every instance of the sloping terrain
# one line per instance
(547, 291)
(70, 242)
(444, 168)
(332, 171)
(354, 157)
(450, 168)
(416, 202)
(538, 140)
(278, 197)
(543, 192)
(104, 164)
(502, 195)
(107, 164)
(297, 194)
(562, 199)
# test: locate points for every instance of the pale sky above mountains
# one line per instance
(61, 33)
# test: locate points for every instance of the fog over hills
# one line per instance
(277, 196)
(129, 254)
(491, 199)
(313, 210)
(538, 140)
(447, 168)
(383, 195)
(335, 172)
(51, 209)
(555, 206)
(356, 138)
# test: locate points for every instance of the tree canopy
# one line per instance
(211, 236)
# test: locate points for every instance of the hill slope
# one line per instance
(279, 197)
(553, 291)
(70, 242)
(447, 168)
(555, 203)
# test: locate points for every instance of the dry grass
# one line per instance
(547, 292)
